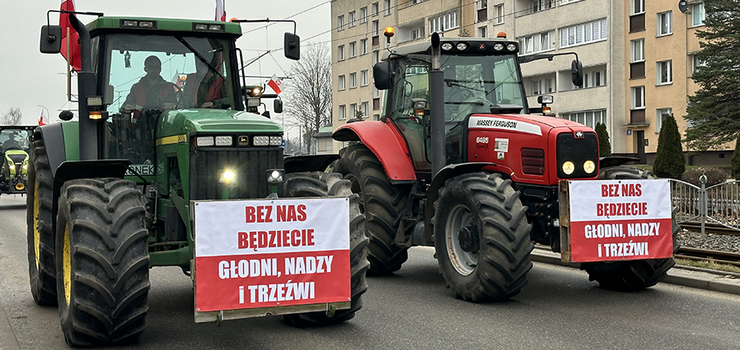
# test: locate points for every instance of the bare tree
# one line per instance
(309, 91)
(12, 116)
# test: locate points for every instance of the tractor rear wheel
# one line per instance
(318, 184)
(40, 236)
(481, 237)
(630, 275)
(102, 262)
(381, 202)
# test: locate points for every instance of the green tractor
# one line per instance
(165, 122)
(15, 141)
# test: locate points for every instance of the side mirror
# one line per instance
(66, 115)
(51, 39)
(576, 71)
(292, 46)
(382, 75)
(277, 105)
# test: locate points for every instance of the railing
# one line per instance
(719, 203)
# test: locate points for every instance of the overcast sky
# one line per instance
(31, 78)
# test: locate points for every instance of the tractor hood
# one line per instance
(189, 121)
(534, 124)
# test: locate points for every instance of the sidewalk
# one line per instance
(694, 277)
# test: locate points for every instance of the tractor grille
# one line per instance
(249, 166)
(533, 161)
(577, 151)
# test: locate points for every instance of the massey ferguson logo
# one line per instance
(579, 134)
(497, 123)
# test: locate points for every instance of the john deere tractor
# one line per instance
(110, 194)
(15, 141)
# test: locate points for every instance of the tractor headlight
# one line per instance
(227, 176)
(204, 141)
(275, 176)
(261, 141)
(224, 140)
(589, 166)
(568, 167)
(276, 140)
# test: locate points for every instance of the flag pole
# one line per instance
(69, 70)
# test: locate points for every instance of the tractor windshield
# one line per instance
(15, 139)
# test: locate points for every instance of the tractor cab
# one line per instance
(15, 141)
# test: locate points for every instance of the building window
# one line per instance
(637, 50)
(697, 14)
(353, 110)
(352, 80)
(590, 118)
(416, 33)
(376, 93)
(386, 7)
(663, 73)
(374, 9)
(340, 22)
(637, 7)
(364, 109)
(342, 113)
(376, 117)
(363, 15)
(696, 63)
(376, 57)
(375, 28)
(535, 43)
(340, 83)
(351, 19)
(548, 85)
(482, 32)
(352, 49)
(363, 78)
(660, 115)
(541, 5)
(340, 53)
(363, 47)
(665, 23)
(499, 11)
(536, 87)
(583, 33)
(637, 97)
(594, 77)
(481, 10)
(443, 22)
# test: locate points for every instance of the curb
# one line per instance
(690, 277)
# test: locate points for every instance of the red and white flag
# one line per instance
(73, 56)
(275, 84)
(43, 119)
(220, 11)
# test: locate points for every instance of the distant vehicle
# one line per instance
(15, 141)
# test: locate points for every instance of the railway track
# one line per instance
(710, 228)
(713, 256)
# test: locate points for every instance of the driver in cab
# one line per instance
(149, 91)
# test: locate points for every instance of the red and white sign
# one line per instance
(615, 220)
(266, 253)
(275, 84)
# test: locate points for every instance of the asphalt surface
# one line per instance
(558, 309)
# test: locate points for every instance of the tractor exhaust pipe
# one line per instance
(88, 137)
(437, 107)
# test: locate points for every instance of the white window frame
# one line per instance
(340, 53)
(374, 8)
(481, 4)
(697, 10)
(340, 22)
(353, 80)
(541, 5)
(386, 7)
(696, 63)
(364, 78)
(584, 33)
(635, 93)
(375, 28)
(352, 49)
(342, 112)
(353, 110)
(363, 47)
(660, 68)
(634, 4)
(637, 50)
(534, 43)
(445, 21)
(499, 11)
(341, 83)
(588, 118)
(363, 15)
(351, 18)
(364, 108)
(482, 31)
(661, 19)
(660, 115)
(536, 87)
(376, 57)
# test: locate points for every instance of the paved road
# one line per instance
(558, 309)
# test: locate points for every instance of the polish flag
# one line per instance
(43, 119)
(275, 84)
(220, 11)
(73, 56)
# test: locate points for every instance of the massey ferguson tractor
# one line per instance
(117, 191)
(460, 162)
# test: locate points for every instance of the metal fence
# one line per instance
(719, 204)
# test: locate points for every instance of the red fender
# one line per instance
(385, 142)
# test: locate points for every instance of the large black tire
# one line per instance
(381, 202)
(40, 235)
(102, 262)
(481, 237)
(317, 184)
(630, 275)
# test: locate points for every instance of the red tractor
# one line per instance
(458, 162)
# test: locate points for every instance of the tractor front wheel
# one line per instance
(631, 275)
(318, 184)
(102, 262)
(481, 237)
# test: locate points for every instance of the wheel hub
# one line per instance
(468, 239)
